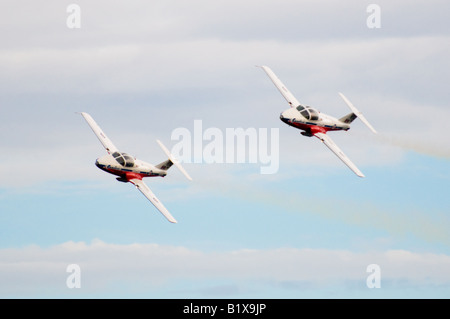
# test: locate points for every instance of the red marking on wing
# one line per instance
(132, 175)
(318, 129)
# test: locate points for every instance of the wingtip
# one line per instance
(342, 95)
(262, 66)
(359, 173)
(184, 172)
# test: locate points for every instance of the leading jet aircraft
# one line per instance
(130, 169)
(314, 123)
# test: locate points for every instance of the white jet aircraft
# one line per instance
(130, 169)
(314, 123)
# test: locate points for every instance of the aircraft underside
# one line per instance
(124, 174)
(311, 128)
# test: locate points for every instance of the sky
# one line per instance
(147, 70)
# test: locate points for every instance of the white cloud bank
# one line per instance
(196, 59)
(157, 271)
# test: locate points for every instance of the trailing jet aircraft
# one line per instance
(130, 169)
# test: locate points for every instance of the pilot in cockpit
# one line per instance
(308, 112)
(124, 159)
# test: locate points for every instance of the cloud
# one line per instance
(175, 78)
(106, 21)
(167, 63)
(41, 272)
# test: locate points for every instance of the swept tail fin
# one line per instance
(348, 118)
(165, 165)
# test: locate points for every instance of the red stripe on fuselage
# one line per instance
(127, 175)
(310, 128)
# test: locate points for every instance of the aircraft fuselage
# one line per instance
(323, 123)
(139, 169)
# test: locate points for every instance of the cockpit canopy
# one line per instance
(308, 112)
(124, 159)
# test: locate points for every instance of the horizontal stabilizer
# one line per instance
(357, 112)
(173, 160)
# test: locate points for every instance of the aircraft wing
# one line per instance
(106, 142)
(336, 150)
(143, 188)
(281, 87)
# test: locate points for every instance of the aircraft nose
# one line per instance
(283, 117)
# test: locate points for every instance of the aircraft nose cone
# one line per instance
(283, 117)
